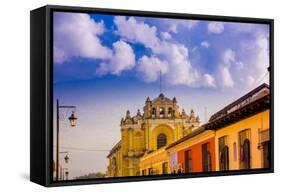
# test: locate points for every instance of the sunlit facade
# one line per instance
(164, 141)
(235, 138)
(243, 132)
(145, 135)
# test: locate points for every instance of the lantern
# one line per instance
(72, 120)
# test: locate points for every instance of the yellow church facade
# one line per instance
(146, 135)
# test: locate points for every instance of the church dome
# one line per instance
(161, 99)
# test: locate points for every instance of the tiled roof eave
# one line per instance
(240, 114)
(114, 149)
(264, 85)
(189, 136)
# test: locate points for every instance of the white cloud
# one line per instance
(209, 80)
(165, 35)
(205, 44)
(181, 71)
(173, 28)
(215, 27)
(123, 59)
(174, 63)
(150, 68)
(228, 57)
(134, 30)
(227, 80)
(188, 23)
(170, 57)
(76, 35)
(230, 68)
(174, 57)
(262, 54)
(242, 27)
(240, 65)
(250, 81)
(248, 65)
(59, 55)
(175, 24)
(257, 59)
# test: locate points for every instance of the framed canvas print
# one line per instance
(120, 96)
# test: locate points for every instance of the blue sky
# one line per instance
(106, 64)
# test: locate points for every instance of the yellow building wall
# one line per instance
(137, 142)
(155, 160)
(161, 129)
(156, 157)
(255, 124)
(115, 169)
(133, 145)
(192, 141)
(119, 162)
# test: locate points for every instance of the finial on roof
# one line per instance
(191, 113)
(161, 96)
(147, 99)
(138, 113)
(183, 112)
(128, 114)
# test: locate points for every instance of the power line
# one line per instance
(261, 79)
(85, 149)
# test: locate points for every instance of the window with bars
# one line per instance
(161, 140)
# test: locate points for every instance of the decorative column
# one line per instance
(131, 153)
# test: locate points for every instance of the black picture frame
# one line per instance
(41, 113)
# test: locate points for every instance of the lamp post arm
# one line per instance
(65, 106)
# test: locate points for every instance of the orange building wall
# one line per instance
(196, 155)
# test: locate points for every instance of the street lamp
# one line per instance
(66, 174)
(73, 120)
(66, 158)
